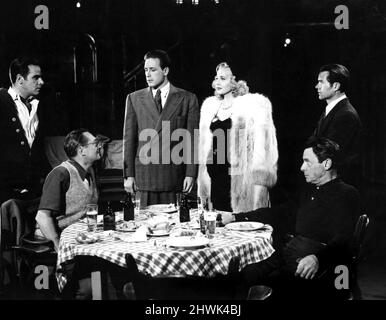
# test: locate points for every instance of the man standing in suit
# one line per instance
(152, 116)
(23, 164)
(340, 121)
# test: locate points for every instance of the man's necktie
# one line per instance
(320, 122)
(26, 103)
(157, 100)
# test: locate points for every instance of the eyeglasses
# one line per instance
(94, 143)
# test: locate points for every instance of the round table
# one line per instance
(154, 258)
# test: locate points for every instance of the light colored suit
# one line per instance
(181, 111)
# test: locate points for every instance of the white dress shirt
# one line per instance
(332, 104)
(29, 120)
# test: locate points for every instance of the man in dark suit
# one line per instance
(155, 117)
(340, 121)
(23, 164)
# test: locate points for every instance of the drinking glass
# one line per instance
(210, 223)
(92, 217)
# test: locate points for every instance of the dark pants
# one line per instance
(278, 272)
(151, 197)
(79, 277)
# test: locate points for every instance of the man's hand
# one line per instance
(188, 184)
(227, 217)
(130, 185)
(307, 267)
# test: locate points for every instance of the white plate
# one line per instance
(162, 208)
(244, 226)
(159, 233)
(86, 238)
(127, 226)
(187, 242)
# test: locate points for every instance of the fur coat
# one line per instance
(252, 151)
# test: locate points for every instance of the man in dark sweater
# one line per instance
(325, 221)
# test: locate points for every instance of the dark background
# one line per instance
(248, 34)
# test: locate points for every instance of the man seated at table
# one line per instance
(68, 188)
(324, 225)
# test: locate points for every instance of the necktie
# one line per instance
(322, 117)
(158, 102)
(27, 104)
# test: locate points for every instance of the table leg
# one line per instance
(96, 285)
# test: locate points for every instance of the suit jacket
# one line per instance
(342, 125)
(20, 165)
(146, 129)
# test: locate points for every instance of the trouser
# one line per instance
(277, 274)
(79, 277)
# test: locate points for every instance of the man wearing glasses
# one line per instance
(67, 190)
(70, 186)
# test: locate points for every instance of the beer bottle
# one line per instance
(219, 220)
(109, 218)
(128, 208)
(184, 209)
(202, 223)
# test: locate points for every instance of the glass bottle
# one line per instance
(109, 218)
(128, 208)
(219, 220)
(184, 209)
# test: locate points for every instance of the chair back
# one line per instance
(359, 234)
(259, 293)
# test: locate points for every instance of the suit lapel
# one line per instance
(13, 114)
(171, 106)
(324, 123)
(149, 104)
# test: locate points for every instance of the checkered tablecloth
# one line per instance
(153, 258)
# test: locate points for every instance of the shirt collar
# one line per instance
(82, 172)
(333, 103)
(327, 184)
(164, 90)
(15, 96)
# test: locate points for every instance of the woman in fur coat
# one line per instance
(237, 146)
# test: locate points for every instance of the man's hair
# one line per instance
(325, 149)
(20, 66)
(73, 140)
(337, 73)
(162, 55)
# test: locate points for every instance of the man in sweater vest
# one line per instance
(70, 186)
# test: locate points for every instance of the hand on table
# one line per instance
(227, 217)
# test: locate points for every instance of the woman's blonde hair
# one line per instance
(239, 88)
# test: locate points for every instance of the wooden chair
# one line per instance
(359, 234)
(27, 250)
(259, 293)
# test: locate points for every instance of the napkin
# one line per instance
(158, 222)
(140, 235)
